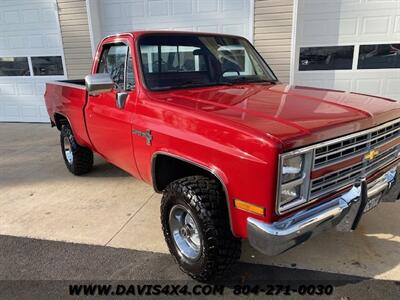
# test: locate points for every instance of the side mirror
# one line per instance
(98, 83)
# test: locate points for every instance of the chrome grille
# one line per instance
(336, 180)
(351, 151)
(339, 150)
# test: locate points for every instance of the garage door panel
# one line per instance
(21, 109)
(353, 23)
(184, 28)
(207, 28)
(393, 86)
(181, 7)
(234, 29)
(207, 6)
(225, 16)
(27, 29)
(329, 31)
(25, 88)
(369, 86)
(328, 6)
(158, 8)
(327, 83)
(7, 89)
(344, 27)
(35, 18)
(366, 82)
(10, 111)
(232, 5)
(111, 10)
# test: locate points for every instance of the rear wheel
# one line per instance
(196, 227)
(78, 159)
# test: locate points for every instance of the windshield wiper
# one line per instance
(185, 85)
(264, 80)
(192, 84)
(252, 80)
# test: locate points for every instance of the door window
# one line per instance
(117, 61)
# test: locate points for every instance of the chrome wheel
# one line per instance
(68, 150)
(185, 232)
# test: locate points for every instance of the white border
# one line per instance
(251, 21)
(62, 41)
(293, 53)
(90, 23)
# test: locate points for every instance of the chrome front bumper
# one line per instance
(343, 212)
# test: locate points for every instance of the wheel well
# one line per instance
(60, 120)
(166, 169)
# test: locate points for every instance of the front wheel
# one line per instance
(196, 227)
(78, 159)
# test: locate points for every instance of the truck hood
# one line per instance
(295, 115)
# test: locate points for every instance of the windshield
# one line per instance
(180, 61)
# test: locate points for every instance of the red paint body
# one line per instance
(235, 131)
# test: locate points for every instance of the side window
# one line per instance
(112, 61)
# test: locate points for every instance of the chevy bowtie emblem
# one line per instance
(371, 155)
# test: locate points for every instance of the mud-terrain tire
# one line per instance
(78, 159)
(198, 204)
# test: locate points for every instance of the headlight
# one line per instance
(292, 168)
(294, 180)
(288, 194)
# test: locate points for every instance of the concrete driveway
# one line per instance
(40, 199)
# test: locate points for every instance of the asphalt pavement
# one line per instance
(39, 269)
(57, 229)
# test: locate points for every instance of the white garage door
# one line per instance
(224, 16)
(349, 45)
(30, 55)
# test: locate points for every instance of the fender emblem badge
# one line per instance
(146, 134)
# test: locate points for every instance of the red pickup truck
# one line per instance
(236, 154)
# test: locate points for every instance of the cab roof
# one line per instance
(137, 34)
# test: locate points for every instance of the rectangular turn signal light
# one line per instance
(255, 209)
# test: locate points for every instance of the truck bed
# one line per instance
(67, 99)
(73, 82)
